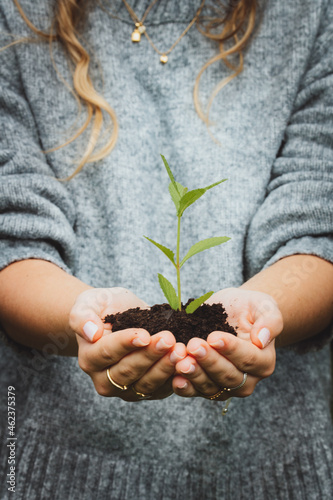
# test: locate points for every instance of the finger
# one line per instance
(183, 387)
(262, 319)
(87, 324)
(243, 354)
(85, 316)
(108, 390)
(210, 372)
(110, 349)
(132, 367)
(199, 379)
(218, 368)
(161, 371)
(268, 323)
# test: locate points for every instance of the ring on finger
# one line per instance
(141, 394)
(118, 386)
(228, 389)
(215, 396)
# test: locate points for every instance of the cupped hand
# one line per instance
(141, 364)
(218, 364)
(91, 306)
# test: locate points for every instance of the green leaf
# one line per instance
(177, 194)
(169, 292)
(191, 196)
(169, 253)
(215, 184)
(193, 306)
(170, 174)
(204, 245)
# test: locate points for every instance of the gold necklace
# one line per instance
(141, 29)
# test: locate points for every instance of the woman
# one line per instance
(72, 251)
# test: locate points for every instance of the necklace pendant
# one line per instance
(140, 27)
(164, 58)
(136, 36)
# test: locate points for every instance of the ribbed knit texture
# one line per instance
(275, 126)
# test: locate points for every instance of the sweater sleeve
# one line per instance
(296, 216)
(37, 214)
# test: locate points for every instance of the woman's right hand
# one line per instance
(135, 359)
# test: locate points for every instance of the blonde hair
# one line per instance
(230, 25)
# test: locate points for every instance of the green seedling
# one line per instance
(183, 198)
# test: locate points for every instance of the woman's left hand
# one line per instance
(221, 361)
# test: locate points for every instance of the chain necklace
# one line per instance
(141, 29)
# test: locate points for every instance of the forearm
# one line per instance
(302, 286)
(36, 297)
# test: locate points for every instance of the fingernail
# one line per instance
(89, 330)
(200, 352)
(189, 369)
(264, 336)
(185, 384)
(174, 357)
(162, 345)
(137, 342)
(218, 344)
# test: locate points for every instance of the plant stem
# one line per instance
(178, 265)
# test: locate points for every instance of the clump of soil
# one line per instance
(206, 319)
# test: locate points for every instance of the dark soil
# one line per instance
(206, 319)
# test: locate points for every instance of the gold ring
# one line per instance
(121, 387)
(141, 394)
(238, 386)
(215, 396)
(227, 389)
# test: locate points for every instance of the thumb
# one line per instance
(84, 318)
(89, 326)
(268, 323)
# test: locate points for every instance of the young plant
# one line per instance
(183, 198)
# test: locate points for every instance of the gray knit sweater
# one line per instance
(275, 126)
